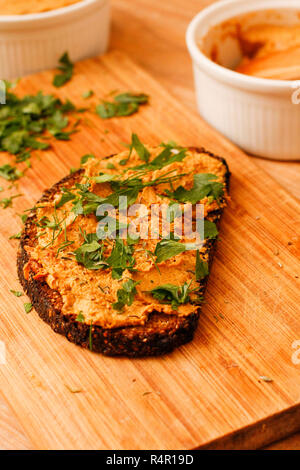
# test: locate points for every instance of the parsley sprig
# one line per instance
(24, 122)
(173, 295)
(66, 68)
(205, 185)
(124, 104)
(90, 253)
(126, 295)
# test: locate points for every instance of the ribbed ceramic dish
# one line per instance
(34, 42)
(260, 115)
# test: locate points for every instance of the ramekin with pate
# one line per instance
(246, 60)
(34, 34)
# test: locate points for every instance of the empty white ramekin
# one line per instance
(262, 116)
(34, 42)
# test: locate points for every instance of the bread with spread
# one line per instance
(119, 295)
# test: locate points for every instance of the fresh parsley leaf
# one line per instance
(90, 253)
(23, 217)
(201, 268)
(110, 166)
(17, 236)
(66, 68)
(125, 295)
(104, 178)
(16, 293)
(210, 229)
(28, 307)
(23, 122)
(124, 104)
(166, 249)
(7, 201)
(126, 109)
(132, 98)
(86, 157)
(140, 149)
(171, 294)
(10, 173)
(106, 110)
(66, 197)
(120, 258)
(80, 317)
(204, 186)
(87, 94)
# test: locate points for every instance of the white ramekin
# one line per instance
(260, 115)
(34, 42)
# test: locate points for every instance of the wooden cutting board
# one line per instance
(207, 394)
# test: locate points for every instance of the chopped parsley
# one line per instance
(90, 253)
(166, 249)
(121, 258)
(23, 124)
(8, 172)
(7, 201)
(140, 149)
(16, 293)
(124, 104)
(28, 307)
(204, 186)
(87, 94)
(201, 268)
(16, 236)
(125, 295)
(86, 157)
(210, 229)
(80, 317)
(66, 68)
(171, 294)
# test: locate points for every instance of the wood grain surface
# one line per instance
(206, 394)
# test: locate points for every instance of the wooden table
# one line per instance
(152, 33)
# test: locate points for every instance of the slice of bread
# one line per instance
(160, 334)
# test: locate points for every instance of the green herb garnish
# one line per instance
(16, 293)
(132, 98)
(28, 307)
(171, 294)
(121, 258)
(125, 295)
(166, 249)
(66, 68)
(201, 268)
(86, 157)
(90, 253)
(210, 229)
(17, 236)
(23, 122)
(140, 149)
(8, 172)
(7, 201)
(124, 104)
(80, 317)
(204, 186)
(87, 94)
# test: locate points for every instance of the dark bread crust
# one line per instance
(161, 334)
